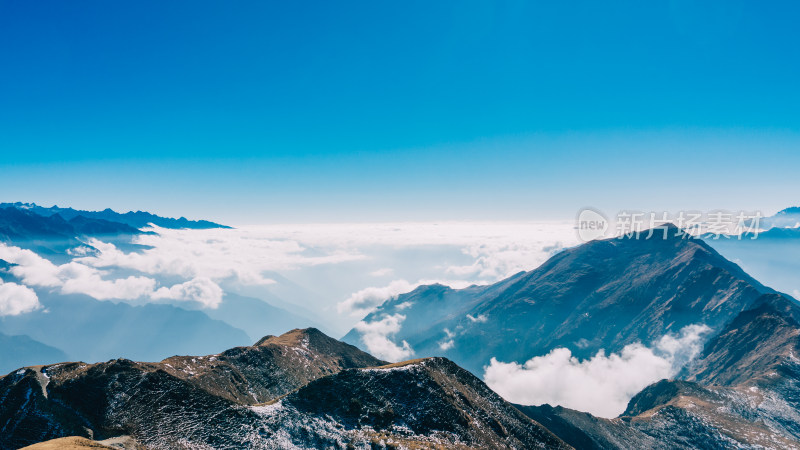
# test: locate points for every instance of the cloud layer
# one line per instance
(313, 266)
(376, 337)
(601, 385)
(498, 249)
(16, 299)
(201, 290)
(216, 254)
(77, 278)
(366, 300)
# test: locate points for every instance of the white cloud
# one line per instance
(245, 259)
(480, 319)
(16, 299)
(366, 300)
(375, 336)
(201, 290)
(30, 267)
(217, 254)
(448, 342)
(500, 258)
(404, 305)
(382, 272)
(77, 278)
(796, 294)
(601, 385)
(499, 248)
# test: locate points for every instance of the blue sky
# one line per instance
(309, 111)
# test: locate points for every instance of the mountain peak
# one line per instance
(602, 295)
(294, 338)
(789, 210)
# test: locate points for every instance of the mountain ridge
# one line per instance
(166, 405)
(602, 295)
(741, 392)
(137, 219)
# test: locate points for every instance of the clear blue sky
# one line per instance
(275, 111)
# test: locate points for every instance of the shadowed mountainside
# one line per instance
(749, 396)
(602, 295)
(136, 219)
(169, 404)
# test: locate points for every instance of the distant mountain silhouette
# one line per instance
(786, 218)
(136, 219)
(256, 317)
(96, 330)
(21, 224)
(51, 236)
(20, 350)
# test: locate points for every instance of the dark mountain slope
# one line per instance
(99, 227)
(758, 347)
(416, 403)
(160, 403)
(22, 224)
(750, 396)
(677, 415)
(587, 432)
(421, 403)
(120, 397)
(688, 415)
(271, 368)
(136, 219)
(51, 236)
(600, 295)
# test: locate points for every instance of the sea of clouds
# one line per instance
(339, 272)
(345, 271)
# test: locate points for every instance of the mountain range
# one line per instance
(52, 236)
(785, 218)
(138, 219)
(96, 330)
(77, 326)
(302, 389)
(602, 295)
(52, 232)
(305, 389)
